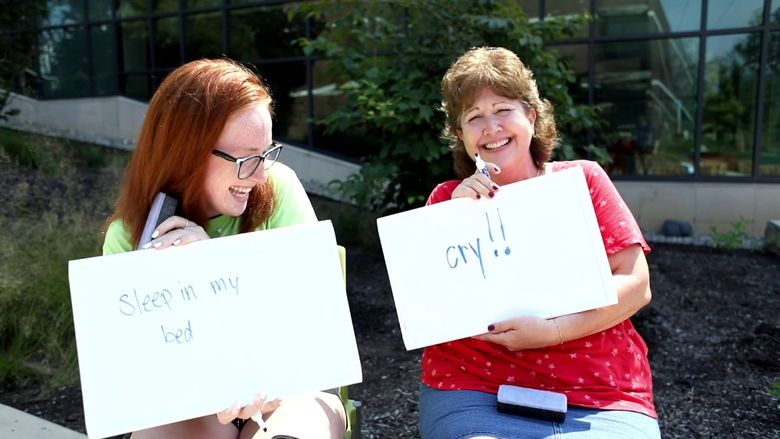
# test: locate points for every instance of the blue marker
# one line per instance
(481, 165)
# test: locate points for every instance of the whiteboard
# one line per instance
(173, 334)
(457, 266)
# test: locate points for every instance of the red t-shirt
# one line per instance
(606, 370)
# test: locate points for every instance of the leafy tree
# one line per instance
(18, 23)
(389, 57)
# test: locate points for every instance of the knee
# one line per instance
(318, 415)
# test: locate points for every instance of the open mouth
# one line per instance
(240, 192)
(497, 144)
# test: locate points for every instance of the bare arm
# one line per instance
(632, 281)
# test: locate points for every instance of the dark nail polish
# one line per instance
(495, 188)
(491, 194)
(479, 196)
(491, 327)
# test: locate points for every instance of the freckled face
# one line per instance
(500, 130)
(246, 133)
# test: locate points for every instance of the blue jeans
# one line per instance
(457, 414)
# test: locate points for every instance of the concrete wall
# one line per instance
(115, 121)
(111, 121)
(702, 204)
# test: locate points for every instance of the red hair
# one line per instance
(184, 120)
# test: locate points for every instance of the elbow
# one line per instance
(646, 295)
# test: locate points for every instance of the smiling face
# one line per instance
(500, 130)
(246, 133)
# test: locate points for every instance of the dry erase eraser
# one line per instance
(532, 403)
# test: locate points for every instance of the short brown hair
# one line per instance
(501, 71)
(184, 120)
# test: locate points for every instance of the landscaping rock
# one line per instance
(772, 237)
(676, 228)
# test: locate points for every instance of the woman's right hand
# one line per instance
(260, 406)
(176, 231)
(478, 185)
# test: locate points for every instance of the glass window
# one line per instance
(724, 14)
(290, 110)
(730, 81)
(648, 91)
(774, 13)
(134, 37)
(59, 12)
(560, 8)
(138, 87)
(163, 6)
(63, 63)
(104, 59)
(99, 9)
(132, 8)
(264, 32)
(166, 43)
(769, 163)
(622, 17)
(192, 4)
(203, 35)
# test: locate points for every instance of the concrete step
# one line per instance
(16, 424)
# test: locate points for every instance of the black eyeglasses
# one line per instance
(248, 165)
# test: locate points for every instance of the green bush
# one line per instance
(388, 59)
(19, 22)
(731, 239)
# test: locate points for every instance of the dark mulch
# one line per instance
(713, 330)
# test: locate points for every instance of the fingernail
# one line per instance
(479, 196)
(495, 188)
(157, 244)
(155, 234)
(177, 242)
(491, 327)
(147, 245)
(491, 194)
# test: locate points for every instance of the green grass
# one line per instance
(22, 152)
(51, 215)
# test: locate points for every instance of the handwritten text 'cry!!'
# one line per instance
(464, 254)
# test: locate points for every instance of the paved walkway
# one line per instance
(16, 424)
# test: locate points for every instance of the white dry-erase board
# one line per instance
(456, 267)
(173, 334)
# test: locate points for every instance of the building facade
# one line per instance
(687, 86)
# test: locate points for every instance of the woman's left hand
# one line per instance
(525, 332)
(260, 406)
(176, 230)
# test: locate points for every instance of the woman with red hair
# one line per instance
(206, 140)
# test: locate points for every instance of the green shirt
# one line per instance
(292, 207)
